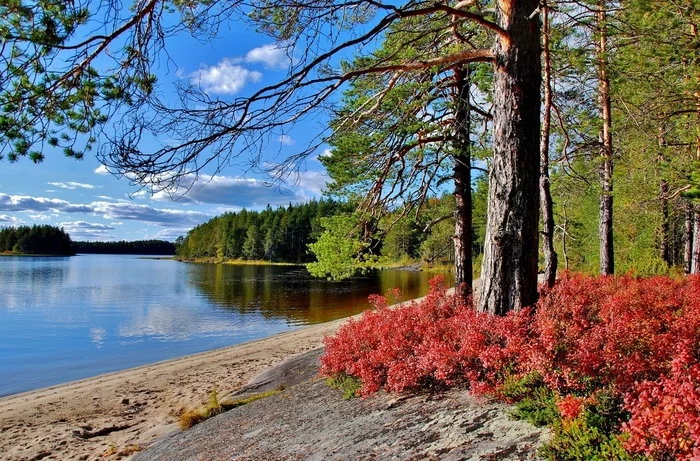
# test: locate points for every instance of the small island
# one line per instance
(37, 240)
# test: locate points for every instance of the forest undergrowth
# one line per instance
(612, 364)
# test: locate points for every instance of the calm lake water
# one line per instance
(63, 319)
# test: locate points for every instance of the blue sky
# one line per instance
(92, 204)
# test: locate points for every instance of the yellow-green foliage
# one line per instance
(231, 404)
(190, 418)
(350, 385)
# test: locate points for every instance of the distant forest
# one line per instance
(139, 247)
(40, 240)
(51, 240)
(281, 234)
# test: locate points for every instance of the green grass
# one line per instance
(534, 402)
(349, 385)
(190, 418)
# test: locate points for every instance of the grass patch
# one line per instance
(126, 451)
(190, 418)
(577, 440)
(590, 436)
(534, 402)
(348, 384)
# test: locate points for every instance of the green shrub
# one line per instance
(534, 402)
(349, 384)
(576, 440)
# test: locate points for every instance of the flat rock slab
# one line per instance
(311, 421)
(297, 370)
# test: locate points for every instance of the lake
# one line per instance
(68, 318)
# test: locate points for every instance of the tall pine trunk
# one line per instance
(663, 198)
(605, 223)
(463, 191)
(688, 254)
(550, 256)
(695, 266)
(665, 225)
(509, 271)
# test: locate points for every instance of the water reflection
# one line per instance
(29, 276)
(288, 292)
(68, 318)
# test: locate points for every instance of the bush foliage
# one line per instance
(611, 362)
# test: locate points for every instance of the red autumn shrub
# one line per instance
(570, 406)
(665, 414)
(436, 341)
(595, 331)
(636, 338)
(381, 348)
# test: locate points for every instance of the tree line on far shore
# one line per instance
(37, 239)
(280, 235)
(138, 247)
(51, 240)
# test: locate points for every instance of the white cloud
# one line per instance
(326, 153)
(83, 230)
(224, 78)
(73, 185)
(6, 221)
(139, 194)
(232, 192)
(115, 211)
(36, 204)
(160, 216)
(168, 234)
(85, 225)
(40, 217)
(286, 140)
(313, 181)
(102, 170)
(269, 55)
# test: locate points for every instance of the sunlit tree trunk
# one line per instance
(663, 198)
(688, 254)
(463, 191)
(605, 225)
(550, 256)
(509, 271)
(695, 265)
(665, 227)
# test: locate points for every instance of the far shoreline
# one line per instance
(37, 255)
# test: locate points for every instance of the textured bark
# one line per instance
(565, 233)
(665, 227)
(688, 259)
(695, 266)
(664, 246)
(509, 271)
(463, 190)
(605, 223)
(550, 256)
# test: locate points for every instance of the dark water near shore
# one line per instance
(63, 319)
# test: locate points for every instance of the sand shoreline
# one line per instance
(107, 416)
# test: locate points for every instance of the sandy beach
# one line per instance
(111, 416)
